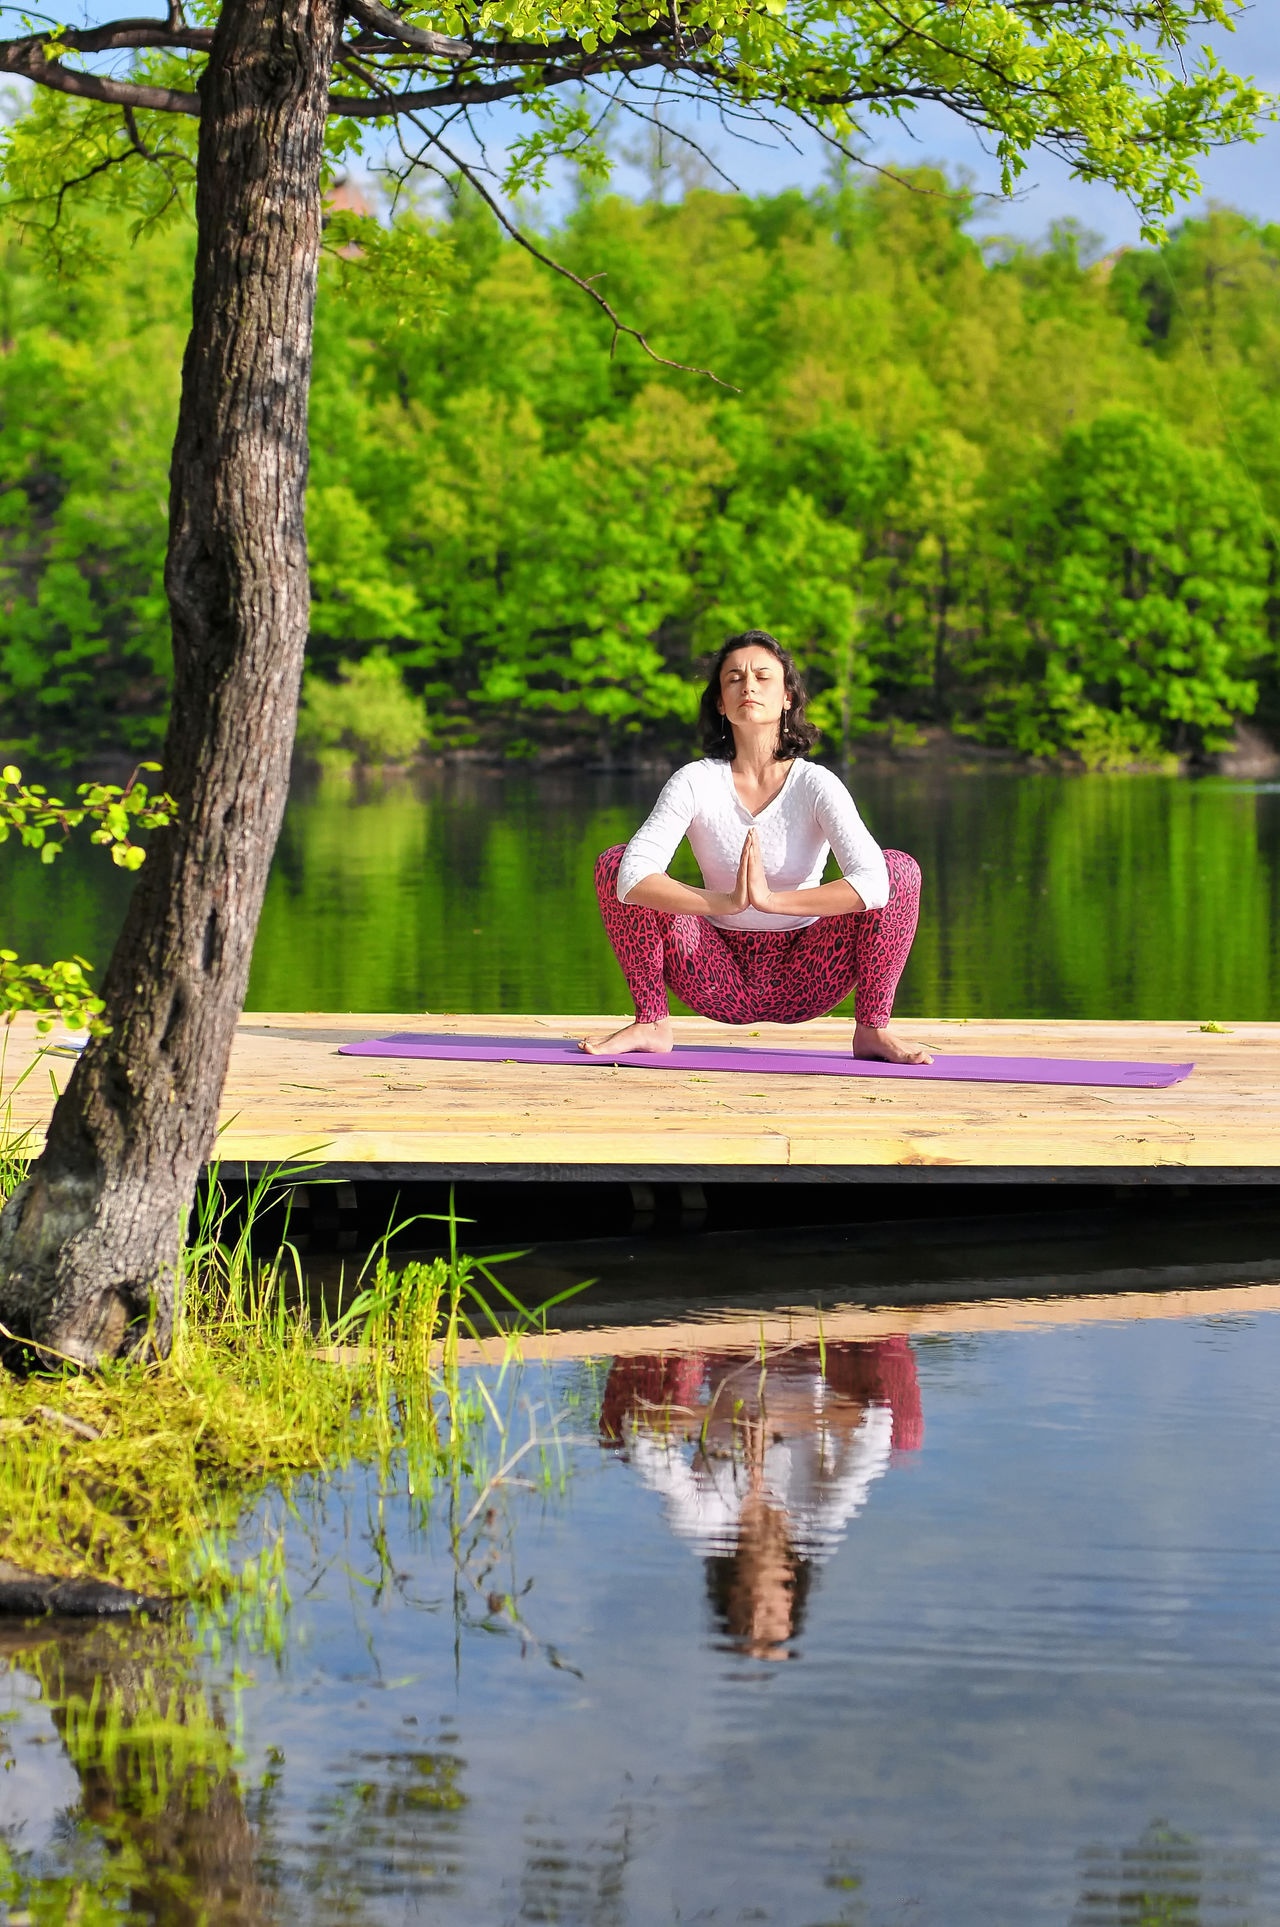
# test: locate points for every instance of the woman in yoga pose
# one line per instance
(764, 940)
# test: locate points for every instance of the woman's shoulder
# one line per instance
(701, 777)
(818, 780)
(688, 788)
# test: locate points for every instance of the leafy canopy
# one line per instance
(1123, 90)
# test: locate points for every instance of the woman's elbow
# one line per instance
(875, 891)
(629, 885)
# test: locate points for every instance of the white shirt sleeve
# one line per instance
(860, 857)
(659, 836)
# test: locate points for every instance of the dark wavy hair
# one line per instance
(732, 1599)
(795, 736)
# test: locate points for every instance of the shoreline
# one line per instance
(937, 752)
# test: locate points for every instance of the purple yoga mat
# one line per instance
(738, 1057)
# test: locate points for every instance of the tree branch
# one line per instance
(620, 327)
(672, 133)
(81, 180)
(380, 19)
(475, 93)
(121, 33)
(27, 58)
(136, 141)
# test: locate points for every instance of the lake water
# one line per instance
(978, 1627)
(470, 890)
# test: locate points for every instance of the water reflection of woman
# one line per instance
(764, 939)
(761, 1467)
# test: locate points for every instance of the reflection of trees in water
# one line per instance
(392, 1828)
(157, 1782)
(1166, 1879)
(587, 1884)
(762, 1462)
(164, 1834)
(561, 1881)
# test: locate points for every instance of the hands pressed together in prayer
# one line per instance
(751, 890)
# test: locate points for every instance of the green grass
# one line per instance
(139, 1474)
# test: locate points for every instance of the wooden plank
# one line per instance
(289, 1096)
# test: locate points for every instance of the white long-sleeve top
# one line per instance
(812, 813)
(818, 1479)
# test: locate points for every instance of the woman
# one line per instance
(764, 940)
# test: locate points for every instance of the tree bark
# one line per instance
(89, 1242)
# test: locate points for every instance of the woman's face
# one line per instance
(753, 689)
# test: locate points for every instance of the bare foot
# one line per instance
(647, 1037)
(882, 1044)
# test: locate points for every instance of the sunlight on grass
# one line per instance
(139, 1474)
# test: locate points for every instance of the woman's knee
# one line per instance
(608, 864)
(904, 873)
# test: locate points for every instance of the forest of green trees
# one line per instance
(1006, 491)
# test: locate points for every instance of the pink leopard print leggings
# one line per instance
(763, 976)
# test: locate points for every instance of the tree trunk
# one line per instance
(89, 1241)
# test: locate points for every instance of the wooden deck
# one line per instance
(290, 1097)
